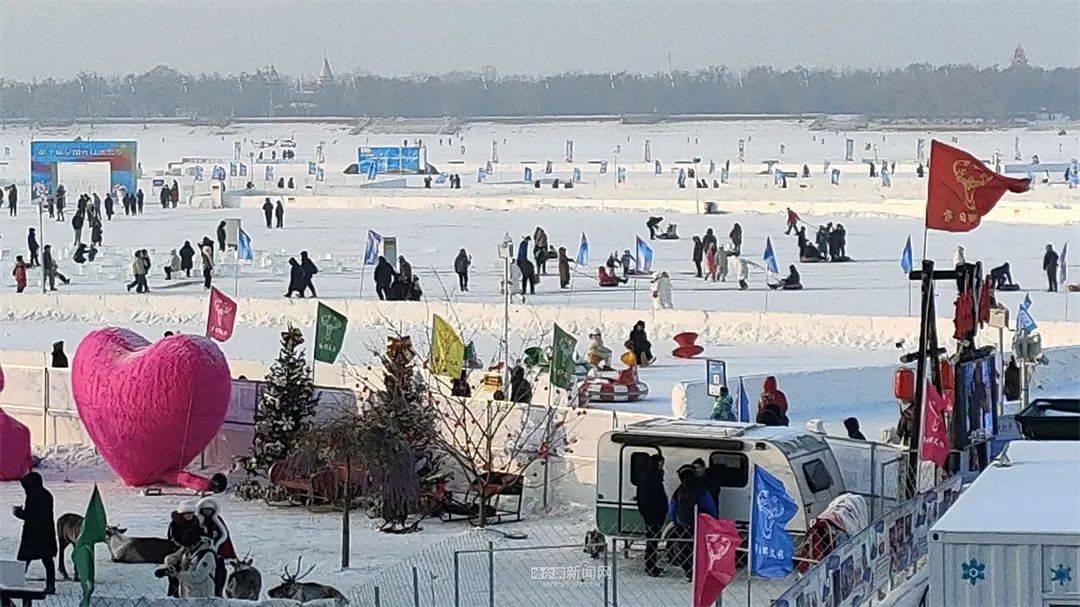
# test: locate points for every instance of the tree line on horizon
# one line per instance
(919, 91)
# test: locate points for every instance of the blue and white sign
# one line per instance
(715, 375)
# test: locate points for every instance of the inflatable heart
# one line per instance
(150, 409)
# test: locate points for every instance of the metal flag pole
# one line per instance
(750, 537)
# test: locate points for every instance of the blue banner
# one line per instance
(643, 263)
(269, 173)
(371, 251)
(770, 257)
(744, 403)
(372, 170)
(906, 261)
(243, 170)
(771, 547)
(1024, 320)
(577, 175)
(311, 168)
(232, 169)
(320, 174)
(527, 178)
(218, 173)
(243, 247)
(583, 251)
(46, 155)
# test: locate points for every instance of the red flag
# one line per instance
(715, 542)
(221, 317)
(935, 439)
(961, 189)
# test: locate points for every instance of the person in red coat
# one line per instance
(771, 395)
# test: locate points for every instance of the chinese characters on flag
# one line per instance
(221, 317)
(961, 190)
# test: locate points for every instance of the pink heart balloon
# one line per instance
(150, 409)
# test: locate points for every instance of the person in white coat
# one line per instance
(959, 258)
(197, 571)
(721, 263)
(661, 291)
(742, 273)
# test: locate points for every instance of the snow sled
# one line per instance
(686, 347)
(671, 233)
(843, 259)
(608, 280)
(1012, 287)
(785, 287)
(622, 388)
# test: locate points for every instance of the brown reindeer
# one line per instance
(292, 588)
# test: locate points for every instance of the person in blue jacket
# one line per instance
(690, 496)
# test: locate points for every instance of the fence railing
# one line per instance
(877, 558)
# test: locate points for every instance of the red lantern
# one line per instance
(904, 384)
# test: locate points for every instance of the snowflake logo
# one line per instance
(1061, 575)
(973, 571)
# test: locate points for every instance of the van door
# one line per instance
(632, 464)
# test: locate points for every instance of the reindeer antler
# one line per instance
(304, 574)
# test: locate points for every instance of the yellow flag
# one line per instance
(447, 351)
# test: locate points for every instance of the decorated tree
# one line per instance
(286, 406)
(400, 413)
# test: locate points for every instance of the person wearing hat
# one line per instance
(184, 522)
(215, 530)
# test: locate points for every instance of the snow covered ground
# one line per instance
(849, 316)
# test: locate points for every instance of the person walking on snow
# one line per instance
(661, 292)
(736, 238)
(38, 541)
(710, 263)
(721, 263)
(13, 201)
(461, 268)
(221, 236)
(207, 251)
(187, 258)
(540, 249)
(564, 269)
(297, 278)
(165, 197)
(279, 214)
(20, 274)
(32, 246)
(384, 277)
(174, 194)
(708, 239)
(139, 200)
(523, 250)
(310, 270)
(109, 210)
(528, 278)
(77, 222)
(1050, 265)
(792, 221)
(52, 271)
(699, 254)
(268, 212)
(138, 272)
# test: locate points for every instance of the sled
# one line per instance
(504, 494)
(1012, 287)
(629, 359)
(623, 388)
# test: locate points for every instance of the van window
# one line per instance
(817, 475)
(731, 469)
(638, 462)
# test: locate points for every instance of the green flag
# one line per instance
(562, 359)
(93, 532)
(329, 333)
(447, 351)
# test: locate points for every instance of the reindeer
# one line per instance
(68, 528)
(292, 588)
(133, 550)
(245, 581)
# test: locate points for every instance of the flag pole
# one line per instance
(363, 271)
(750, 536)
(693, 560)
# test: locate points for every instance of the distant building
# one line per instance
(326, 76)
(1019, 59)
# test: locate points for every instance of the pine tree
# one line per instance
(286, 405)
(400, 411)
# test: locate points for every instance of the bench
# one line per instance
(26, 595)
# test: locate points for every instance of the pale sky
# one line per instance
(47, 38)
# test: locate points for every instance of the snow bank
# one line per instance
(485, 319)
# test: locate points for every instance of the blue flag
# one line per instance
(643, 263)
(583, 251)
(905, 258)
(1024, 321)
(1064, 263)
(528, 175)
(269, 173)
(770, 257)
(744, 403)
(311, 168)
(771, 546)
(371, 250)
(243, 247)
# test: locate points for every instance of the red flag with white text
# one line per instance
(935, 438)
(961, 190)
(715, 543)
(221, 316)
